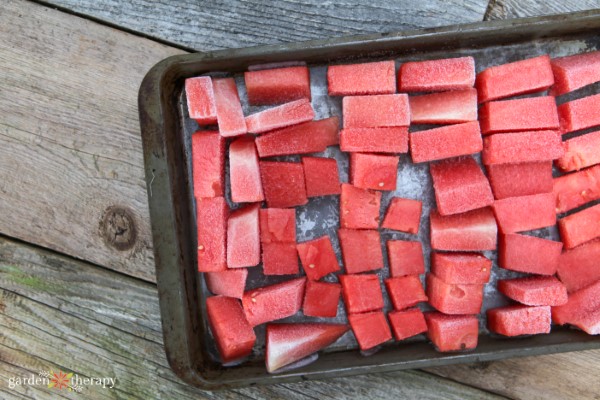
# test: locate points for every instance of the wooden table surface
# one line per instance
(72, 185)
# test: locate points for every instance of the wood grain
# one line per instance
(503, 9)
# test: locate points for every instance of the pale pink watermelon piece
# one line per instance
(581, 310)
(359, 208)
(574, 72)
(527, 114)
(452, 332)
(407, 323)
(283, 183)
(580, 227)
(529, 254)
(579, 267)
(370, 329)
(243, 237)
(534, 290)
(437, 75)
(374, 171)
(446, 142)
(230, 283)
(579, 114)
(525, 213)
(403, 215)
(201, 100)
(270, 303)
(454, 299)
(277, 85)
(451, 107)
(576, 189)
(244, 172)
(519, 320)
(361, 250)
(461, 268)
(374, 140)
(405, 291)
(277, 225)
(406, 258)
(521, 179)
(280, 258)
(321, 176)
(318, 258)
(208, 164)
(580, 152)
(384, 110)
(520, 147)
(471, 231)
(356, 79)
(230, 116)
(211, 221)
(287, 114)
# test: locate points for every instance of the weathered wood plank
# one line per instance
(70, 147)
(210, 25)
(503, 9)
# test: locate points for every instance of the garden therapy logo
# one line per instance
(61, 381)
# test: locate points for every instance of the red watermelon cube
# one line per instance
(270, 303)
(375, 140)
(520, 147)
(534, 290)
(579, 267)
(277, 225)
(361, 250)
(201, 100)
(460, 186)
(405, 291)
(244, 172)
(211, 221)
(318, 258)
(280, 258)
(208, 164)
(452, 332)
(445, 142)
(406, 258)
(454, 298)
(283, 183)
(384, 110)
(403, 215)
(230, 116)
(577, 189)
(359, 208)
(461, 268)
(287, 114)
(308, 137)
(581, 310)
(579, 114)
(527, 114)
(243, 237)
(407, 323)
(574, 72)
(437, 75)
(580, 152)
(519, 77)
(529, 254)
(370, 329)
(230, 283)
(232, 332)
(277, 85)
(321, 176)
(580, 227)
(374, 171)
(519, 320)
(361, 293)
(471, 231)
(451, 107)
(522, 179)
(321, 299)
(525, 213)
(367, 78)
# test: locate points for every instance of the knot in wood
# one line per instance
(118, 228)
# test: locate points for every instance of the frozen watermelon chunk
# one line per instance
(580, 152)
(208, 164)
(270, 303)
(361, 293)
(230, 283)
(529, 254)
(284, 115)
(283, 183)
(452, 332)
(244, 172)
(288, 343)
(519, 320)
(405, 291)
(577, 189)
(211, 220)
(201, 100)
(579, 267)
(522, 179)
(471, 231)
(525, 213)
(534, 290)
(527, 114)
(318, 258)
(359, 208)
(277, 85)
(374, 171)
(277, 225)
(375, 140)
(280, 258)
(406, 258)
(321, 176)
(581, 310)
(243, 237)
(367, 78)
(308, 137)
(403, 215)
(454, 299)
(451, 107)
(460, 186)
(407, 323)
(232, 332)
(370, 329)
(437, 75)
(579, 114)
(382, 110)
(445, 142)
(574, 72)
(361, 250)
(580, 227)
(321, 299)
(519, 77)
(230, 116)
(519, 147)
(461, 268)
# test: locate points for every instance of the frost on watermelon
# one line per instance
(270, 303)
(471, 231)
(287, 114)
(360, 79)
(405, 291)
(581, 310)
(208, 164)
(446, 142)
(201, 100)
(244, 172)
(211, 217)
(534, 290)
(321, 299)
(318, 257)
(527, 114)
(321, 176)
(288, 343)
(280, 258)
(359, 208)
(361, 250)
(230, 283)
(454, 298)
(385, 110)
(374, 171)
(277, 225)
(407, 323)
(522, 179)
(437, 75)
(405, 258)
(580, 227)
(529, 254)
(461, 268)
(520, 147)
(450, 107)
(230, 116)
(370, 329)
(452, 332)
(361, 293)
(580, 152)
(277, 85)
(579, 267)
(576, 189)
(525, 213)
(232, 332)
(574, 72)
(579, 114)
(243, 237)
(283, 184)
(375, 140)
(517, 320)
(403, 215)
(460, 186)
